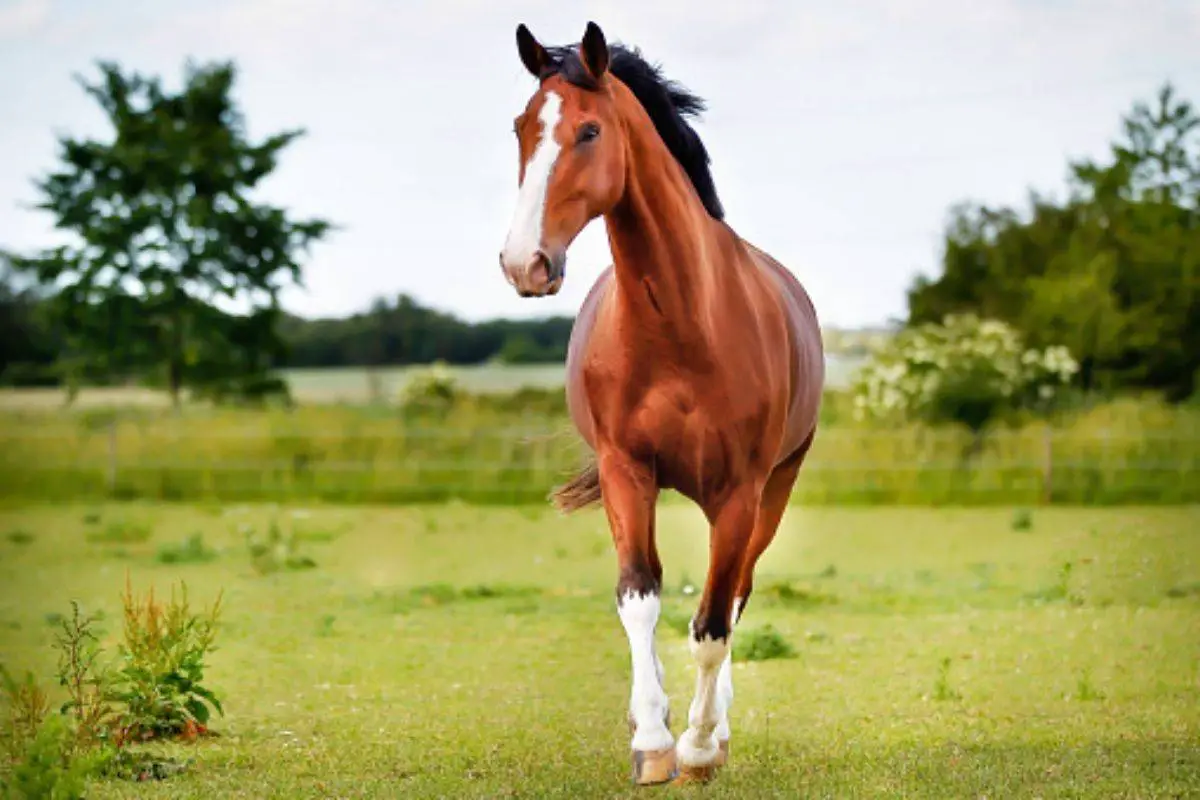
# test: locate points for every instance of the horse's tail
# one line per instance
(581, 491)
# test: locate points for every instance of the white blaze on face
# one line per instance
(525, 233)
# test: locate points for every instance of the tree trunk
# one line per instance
(175, 380)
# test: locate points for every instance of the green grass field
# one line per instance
(940, 653)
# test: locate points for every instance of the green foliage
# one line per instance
(761, 644)
(1022, 520)
(191, 550)
(27, 345)
(402, 331)
(276, 551)
(432, 390)
(87, 684)
(1113, 272)
(254, 390)
(1085, 689)
(19, 536)
(942, 688)
(1127, 451)
(157, 690)
(789, 594)
(47, 770)
(54, 753)
(965, 370)
(159, 678)
(165, 228)
(26, 705)
(121, 531)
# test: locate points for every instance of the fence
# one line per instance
(380, 461)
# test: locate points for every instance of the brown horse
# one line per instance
(695, 364)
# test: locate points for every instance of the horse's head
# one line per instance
(572, 160)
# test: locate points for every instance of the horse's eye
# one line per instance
(587, 133)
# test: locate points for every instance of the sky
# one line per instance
(841, 133)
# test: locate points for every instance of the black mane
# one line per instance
(667, 103)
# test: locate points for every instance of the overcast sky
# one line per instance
(841, 133)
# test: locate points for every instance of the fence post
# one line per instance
(112, 457)
(1047, 463)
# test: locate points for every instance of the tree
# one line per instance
(27, 346)
(1113, 272)
(166, 234)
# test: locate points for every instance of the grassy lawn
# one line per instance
(939, 653)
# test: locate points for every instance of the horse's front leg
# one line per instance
(699, 750)
(629, 493)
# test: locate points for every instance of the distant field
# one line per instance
(352, 385)
(457, 651)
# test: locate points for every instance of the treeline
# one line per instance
(398, 332)
(1112, 271)
(28, 346)
(405, 332)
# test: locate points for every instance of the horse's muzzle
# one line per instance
(539, 276)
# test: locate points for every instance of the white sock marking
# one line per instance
(725, 680)
(647, 700)
(525, 232)
(698, 745)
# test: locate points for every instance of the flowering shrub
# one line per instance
(965, 370)
(433, 388)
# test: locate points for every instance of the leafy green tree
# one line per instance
(27, 346)
(1113, 272)
(166, 234)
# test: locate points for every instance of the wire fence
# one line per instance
(390, 463)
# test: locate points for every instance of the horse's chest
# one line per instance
(696, 441)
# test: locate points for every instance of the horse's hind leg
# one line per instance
(774, 501)
(775, 496)
(733, 524)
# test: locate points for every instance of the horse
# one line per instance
(695, 363)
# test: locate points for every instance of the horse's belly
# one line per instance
(806, 359)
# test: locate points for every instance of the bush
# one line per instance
(26, 706)
(30, 376)
(46, 768)
(966, 370)
(157, 690)
(761, 644)
(276, 551)
(253, 391)
(160, 677)
(191, 550)
(432, 389)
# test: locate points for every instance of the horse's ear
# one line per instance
(533, 55)
(593, 51)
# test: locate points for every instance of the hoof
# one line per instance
(722, 754)
(696, 774)
(653, 766)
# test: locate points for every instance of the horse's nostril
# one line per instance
(539, 268)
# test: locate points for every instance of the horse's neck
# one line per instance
(663, 241)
